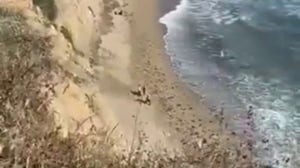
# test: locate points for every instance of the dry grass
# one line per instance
(28, 135)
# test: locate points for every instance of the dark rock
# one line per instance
(267, 166)
(287, 160)
(265, 140)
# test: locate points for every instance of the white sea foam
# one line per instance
(275, 103)
(171, 19)
(274, 118)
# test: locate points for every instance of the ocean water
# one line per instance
(240, 53)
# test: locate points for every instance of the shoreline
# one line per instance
(206, 125)
(161, 59)
(164, 7)
(245, 135)
(186, 104)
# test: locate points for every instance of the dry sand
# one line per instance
(107, 48)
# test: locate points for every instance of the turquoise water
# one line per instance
(244, 53)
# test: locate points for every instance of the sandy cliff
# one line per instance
(93, 45)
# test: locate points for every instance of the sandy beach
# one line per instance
(183, 109)
(107, 49)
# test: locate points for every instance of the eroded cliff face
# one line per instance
(91, 44)
(75, 44)
(73, 28)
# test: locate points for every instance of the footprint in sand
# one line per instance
(169, 109)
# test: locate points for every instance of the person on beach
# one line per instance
(147, 99)
(250, 112)
(145, 96)
(221, 120)
(142, 89)
(142, 95)
(137, 92)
